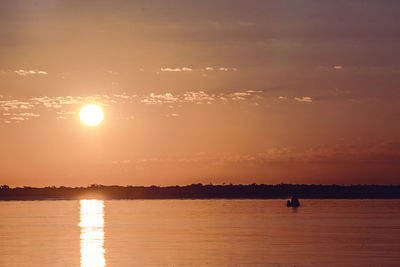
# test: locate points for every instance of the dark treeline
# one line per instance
(199, 191)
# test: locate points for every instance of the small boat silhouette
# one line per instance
(294, 203)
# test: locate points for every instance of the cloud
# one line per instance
(13, 104)
(30, 72)
(239, 95)
(29, 114)
(63, 107)
(122, 96)
(111, 72)
(199, 97)
(227, 69)
(64, 114)
(9, 117)
(220, 69)
(282, 97)
(176, 69)
(243, 95)
(372, 151)
(17, 118)
(160, 98)
(382, 152)
(171, 115)
(306, 99)
(338, 67)
(187, 69)
(58, 102)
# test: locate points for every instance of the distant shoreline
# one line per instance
(199, 191)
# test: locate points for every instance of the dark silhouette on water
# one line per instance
(294, 203)
(200, 191)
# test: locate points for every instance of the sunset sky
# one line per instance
(200, 91)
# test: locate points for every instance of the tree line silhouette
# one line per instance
(200, 191)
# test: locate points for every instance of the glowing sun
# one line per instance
(91, 115)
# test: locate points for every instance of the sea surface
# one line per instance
(119, 233)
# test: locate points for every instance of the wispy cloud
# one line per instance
(336, 153)
(227, 69)
(18, 116)
(199, 97)
(124, 96)
(176, 69)
(111, 72)
(124, 161)
(12, 104)
(160, 99)
(338, 67)
(243, 95)
(30, 72)
(306, 99)
(172, 115)
(220, 69)
(63, 107)
(63, 115)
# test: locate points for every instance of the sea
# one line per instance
(125, 233)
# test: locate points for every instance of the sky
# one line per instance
(200, 92)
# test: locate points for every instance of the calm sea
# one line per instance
(94, 233)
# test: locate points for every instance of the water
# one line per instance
(93, 233)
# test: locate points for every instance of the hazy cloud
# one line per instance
(12, 104)
(160, 98)
(17, 118)
(30, 72)
(226, 69)
(64, 106)
(176, 69)
(111, 72)
(336, 153)
(29, 114)
(220, 69)
(243, 95)
(171, 115)
(199, 97)
(306, 99)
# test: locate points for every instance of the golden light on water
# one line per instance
(92, 233)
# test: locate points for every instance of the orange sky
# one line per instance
(199, 91)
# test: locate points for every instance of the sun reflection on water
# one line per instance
(92, 233)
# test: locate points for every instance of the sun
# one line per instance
(91, 115)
